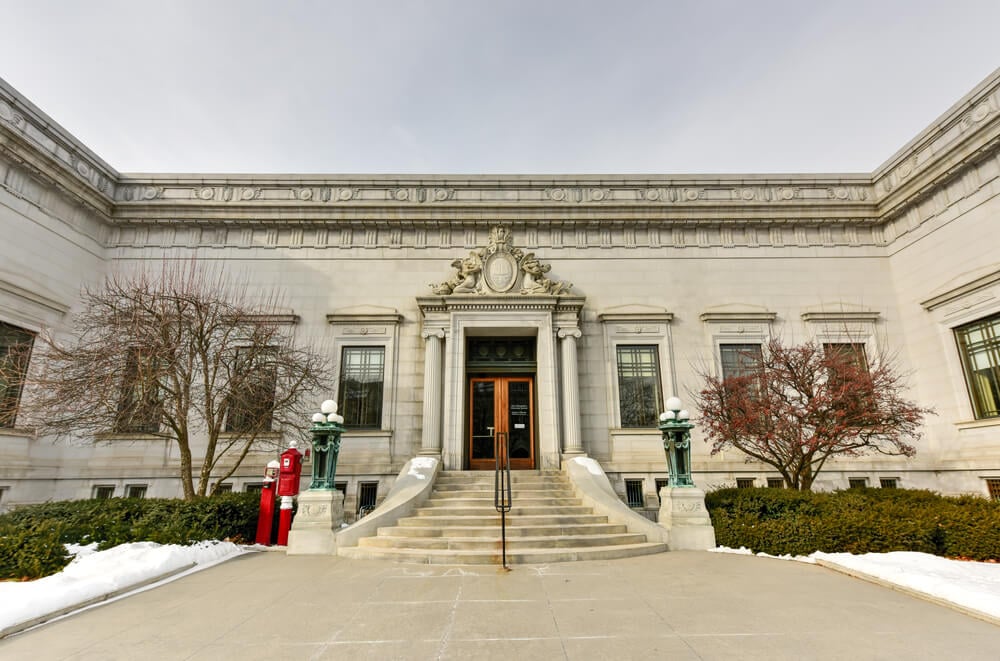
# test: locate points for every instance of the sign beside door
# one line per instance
(501, 405)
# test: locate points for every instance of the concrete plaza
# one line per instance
(671, 605)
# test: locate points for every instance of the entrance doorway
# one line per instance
(501, 408)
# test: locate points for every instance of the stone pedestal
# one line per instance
(683, 513)
(317, 521)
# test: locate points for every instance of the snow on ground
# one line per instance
(94, 573)
(974, 585)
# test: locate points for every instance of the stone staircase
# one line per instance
(459, 525)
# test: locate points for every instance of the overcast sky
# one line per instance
(495, 86)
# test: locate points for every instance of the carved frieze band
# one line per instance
(687, 234)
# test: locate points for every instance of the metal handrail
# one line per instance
(502, 496)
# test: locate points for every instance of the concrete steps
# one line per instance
(459, 525)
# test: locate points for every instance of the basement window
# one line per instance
(253, 487)
(993, 486)
(633, 493)
(888, 482)
(744, 482)
(857, 482)
(367, 494)
(775, 483)
(225, 487)
(103, 491)
(135, 490)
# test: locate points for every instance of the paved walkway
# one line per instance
(671, 605)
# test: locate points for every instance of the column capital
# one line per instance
(572, 331)
(432, 332)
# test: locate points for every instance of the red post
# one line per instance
(265, 518)
(289, 476)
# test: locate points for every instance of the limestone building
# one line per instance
(561, 309)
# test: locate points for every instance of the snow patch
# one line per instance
(421, 463)
(590, 464)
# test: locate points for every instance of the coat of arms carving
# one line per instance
(500, 268)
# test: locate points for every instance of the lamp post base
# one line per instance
(683, 513)
(316, 523)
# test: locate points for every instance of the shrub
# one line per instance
(779, 522)
(120, 520)
(31, 551)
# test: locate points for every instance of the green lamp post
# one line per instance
(676, 432)
(326, 430)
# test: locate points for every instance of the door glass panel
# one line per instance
(519, 419)
(483, 423)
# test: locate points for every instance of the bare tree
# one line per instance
(795, 407)
(185, 354)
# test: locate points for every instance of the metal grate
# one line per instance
(744, 482)
(888, 482)
(633, 493)
(135, 491)
(775, 483)
(104, 491)
(367, 495)
(857, 482)
(225, 487)
(993, 486)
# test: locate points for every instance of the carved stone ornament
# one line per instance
(499, 268)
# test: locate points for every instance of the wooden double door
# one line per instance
(501, 410)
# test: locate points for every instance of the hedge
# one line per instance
(780, 521)
(32, 537)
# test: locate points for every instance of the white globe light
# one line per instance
(683, 415)
(674, 403)
(667, 415)
(333, 417)
(318, 417)
(329, 406)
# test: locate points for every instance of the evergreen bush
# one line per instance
(780, 521)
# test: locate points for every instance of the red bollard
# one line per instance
(266, 516)
(289, 476)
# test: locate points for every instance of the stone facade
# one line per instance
(895, 259)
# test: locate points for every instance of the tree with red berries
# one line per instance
(795, 407)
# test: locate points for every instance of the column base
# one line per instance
(683, 513)
(316, 523)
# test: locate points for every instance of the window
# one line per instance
(857, 482)
(888, 482)
(744, 482)
(853, 351)
(660, 483)
(633, 493)
(15, 351)
(253, 487)
(225, 487)
(251, 402)
(360, 393)
(139, 404)
(103, 491)
(739, 359)
(3, 493)
(135, 490)
(367, 495)
(639, 385)
(775, 483)
(993, 487)
(979, 346)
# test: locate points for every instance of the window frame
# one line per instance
(141, 489)
(740, 370)
(127, 399)
(10, 395)
(657, 380)
(231, 427)
(342, 390)
(991, 346)
(97, 489)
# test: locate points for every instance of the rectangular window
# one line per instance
(888, 482)
(139, 406)
(135, 490)
(633, 493)
(979, 346)
(103, 491)
(993, 487)
(253, 487)
(775, 483)
(367, 495)
(744, 482)
(857, 482)
(225, 487)
(853, 351)
(639, 393)
(251, 401)
(360, 393)
(739, 359)
(15, 351)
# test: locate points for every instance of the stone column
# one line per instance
(431, 439)
(572, 444)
